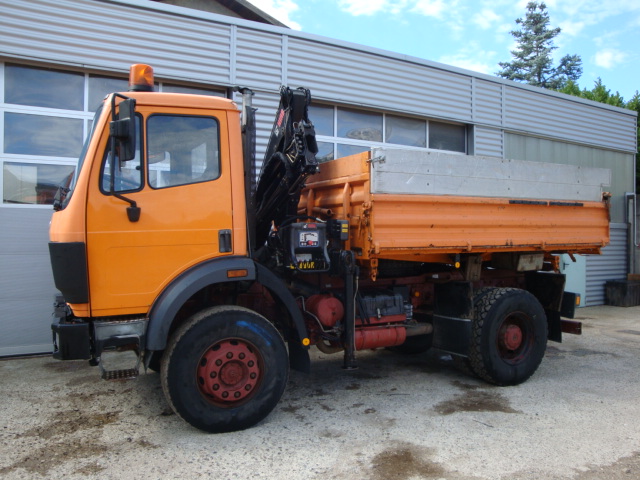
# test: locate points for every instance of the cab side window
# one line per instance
(127, 176)
(182, 149)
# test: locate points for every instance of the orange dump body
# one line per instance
(433, 228)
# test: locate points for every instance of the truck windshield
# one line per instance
(66, 191)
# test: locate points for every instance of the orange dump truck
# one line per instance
(165, 243)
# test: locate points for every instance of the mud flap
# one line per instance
(452, 334)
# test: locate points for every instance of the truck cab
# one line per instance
(185, 177)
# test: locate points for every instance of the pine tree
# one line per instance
(532, 62)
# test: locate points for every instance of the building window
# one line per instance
(345, 131)
(359, 125)
(406, 131)
(27, 134)
(446, 136)
(32, 183)
(100, 87)
(42, 87)
(45, 114)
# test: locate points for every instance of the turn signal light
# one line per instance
(140, 78)
(237, 273)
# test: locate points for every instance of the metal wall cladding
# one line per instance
(611, 265)
(258, 59)
(344, 75)
(556, 117)
(488, 141)
(110, 36)
(267, 105)
(27, 282)
(487, 102)
(187, 44)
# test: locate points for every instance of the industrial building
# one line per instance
(58, 58)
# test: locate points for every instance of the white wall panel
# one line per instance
(488, 141)
(191, 45)
(354, 77)
(487, 102)
(555, 117)
(611, 265)
(258, 59)
(109, 36)
(26, 283)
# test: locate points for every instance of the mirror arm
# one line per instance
(133, 211)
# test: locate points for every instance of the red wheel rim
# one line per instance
(515, 337)
(229, 372)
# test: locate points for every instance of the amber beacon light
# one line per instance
(140, 78)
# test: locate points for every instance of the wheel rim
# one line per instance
(515, 337)
(229, 372)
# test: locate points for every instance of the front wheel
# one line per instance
(225, 369)
(509, 336)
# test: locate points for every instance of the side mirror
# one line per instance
(124, 130)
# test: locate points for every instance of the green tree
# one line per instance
(599, 93)
(634, 104)
(532, 62)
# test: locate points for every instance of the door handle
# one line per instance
(224, 241)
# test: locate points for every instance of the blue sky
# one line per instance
(474, 34)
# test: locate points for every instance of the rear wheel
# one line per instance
(509, 336)
(225, 369)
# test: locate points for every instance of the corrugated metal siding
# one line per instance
(26, 282)
(267, 104)
(487, 102)
(554, 117)
(186, 44)
(611, 265)
(488, 141)
(112, 37)
(356, 77)
(258, 59)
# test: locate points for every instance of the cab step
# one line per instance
(120, 374)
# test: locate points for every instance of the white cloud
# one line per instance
(428, 8)
(472, 57)
(280, 10)
(609, 58)
(433, 8)
(572, 28)
(486, 19)
(369, 7)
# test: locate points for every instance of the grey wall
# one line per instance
(26, 282)
(109, 35)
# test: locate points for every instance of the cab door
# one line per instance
(181, 181)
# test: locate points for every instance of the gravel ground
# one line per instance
(396, 417)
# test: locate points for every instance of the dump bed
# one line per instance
(423, 206)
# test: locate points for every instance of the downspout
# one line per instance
(632, 212)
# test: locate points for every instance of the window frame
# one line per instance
(146, 152)
(337, 140)
(105, 159)
(86, 115)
